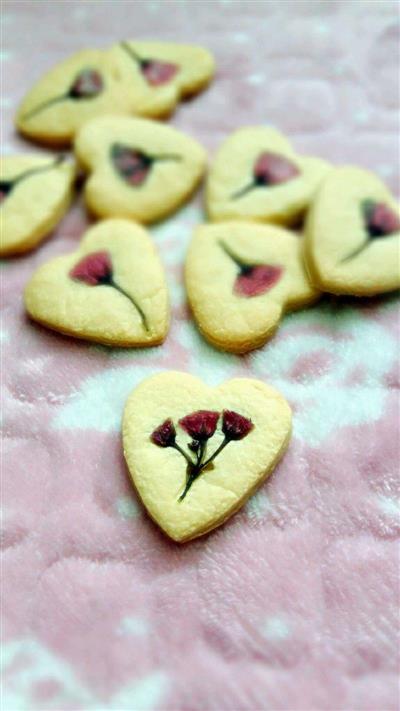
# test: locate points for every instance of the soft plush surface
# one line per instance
(292, 605)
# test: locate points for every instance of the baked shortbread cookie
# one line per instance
(144, 78)
(83, 86)
(156, 75)
(256, 175)
(35, 192)
(140, 169)
(352, 235)
(240, 279)
(195, 453)
(111, 290)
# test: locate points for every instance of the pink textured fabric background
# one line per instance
(292, 605)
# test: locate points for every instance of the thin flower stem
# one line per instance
(45, 105)
(357, 251)
(128, 49)
(41, 169)
(132, 300)
(217, 451)
(184, 454)
(233, 256)
(243, 191)
(170, 156)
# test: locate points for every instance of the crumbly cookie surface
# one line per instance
(240, 278)
(35, 193)
(112, 290)
(258, 420)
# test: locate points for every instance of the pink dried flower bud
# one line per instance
(235, 426)
(158, 73)
(273, 169)
(88, 84)
(257, 280)
(381, 220)
(200, 425)
(94, 269)
(164, 435)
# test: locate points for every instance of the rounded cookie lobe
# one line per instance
(352, 235)
(256, 175)
(191, 486)
(140, 169)
(35, 193)
(81, 87)
(240, 278)
(112, 290)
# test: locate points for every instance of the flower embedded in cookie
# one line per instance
(154, 71)
(134, 165)
(270, 169)
(379, 221)
(88, 84)
(7, 186)
(96, 269)
(253, 279)
(201, 426)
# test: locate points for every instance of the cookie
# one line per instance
(195, 453)
(156, 75)
(111, 290)
(82, 87)
(352, 235)
(140, 169)
(257, 175)
(35, 193)
(143, 78)
(240, 279)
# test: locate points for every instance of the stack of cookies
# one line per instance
(282, 227)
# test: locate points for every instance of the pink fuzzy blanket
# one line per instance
(292, 605)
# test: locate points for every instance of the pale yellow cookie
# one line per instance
(256, 175)
(352, 235)
(195, 453)
(35, 193)
(139, 168)
(82, 87)
(240, 279)
(156, 75)
(111, 290)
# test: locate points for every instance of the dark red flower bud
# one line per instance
(235, 426)
(87, 85)
(94, 269)
(380, 219)
(131, 164)
(200, 425)
(164, 435)
(158, 73)
(273, 169)
(256, 280)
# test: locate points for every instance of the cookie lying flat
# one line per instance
(144, 78)
(81, 87)
(112, 290)
(140, 169)
(195, 453)
(256, 175)
(35, 193)
(240, 278)
(352, 235)
(156, 75)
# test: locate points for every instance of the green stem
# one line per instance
(43, 106)
(243, 191)
(40, 169)
(184, 454)
(132, 300)
(217, 451)
(131, 52)
(357, 251)
(233, 256)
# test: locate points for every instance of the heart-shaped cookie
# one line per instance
(195, 453)
(240, 279)
(144, 78)
(35, 193)
(257, 175)
(156, 75)
(352, 235)
(111, 290)
(140, 169)
(83, 86)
